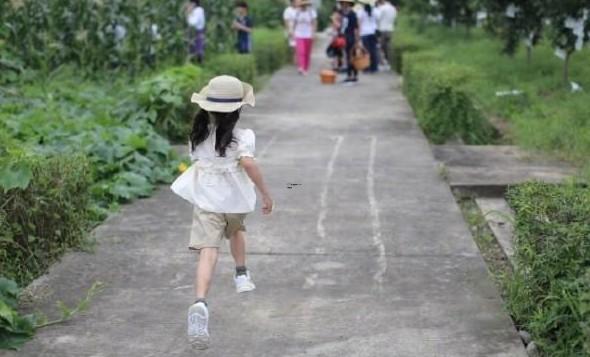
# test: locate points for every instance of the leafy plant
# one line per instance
(69, 312)
(15, 329)
(164, 100)
(233, 64)
(14, 174)
(103, 121)
(271, 50)
(549, 291)
(444, 107)
(267, 13)
(41, 221)
(107, 34)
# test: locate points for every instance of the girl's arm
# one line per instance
(253, 171)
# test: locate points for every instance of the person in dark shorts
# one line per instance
(243, 25)
(350, 30)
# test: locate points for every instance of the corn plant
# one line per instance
(104, 34)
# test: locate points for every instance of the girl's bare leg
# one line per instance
(205, 269)
(238, 248)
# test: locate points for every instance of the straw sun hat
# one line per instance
(224, 94)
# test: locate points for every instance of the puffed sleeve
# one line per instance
(246, 143)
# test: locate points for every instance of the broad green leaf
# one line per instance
(13, 341)
(9, 292)
(137, 142)
(15, 175)
(7, 315)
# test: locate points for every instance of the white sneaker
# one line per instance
(244, 283)
(198, 326)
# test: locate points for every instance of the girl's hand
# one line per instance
(267, 205)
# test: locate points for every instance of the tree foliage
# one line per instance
(458, 11)
(566, 22)
(517, 21)
(570, 21)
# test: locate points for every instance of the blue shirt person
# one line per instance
(243, 25)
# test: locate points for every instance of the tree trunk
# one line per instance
(566, 68)
(529, 54)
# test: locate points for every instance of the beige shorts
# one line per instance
(210, 228)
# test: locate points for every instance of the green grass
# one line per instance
(549, 292)
(546, 117)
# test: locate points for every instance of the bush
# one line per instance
(549, 292)
(242, 66)
(65, 116)
(267, 13)
(39, 222)
(444, 107)
(405, 43)
(271, 50)
(536, 110)
(164, 100)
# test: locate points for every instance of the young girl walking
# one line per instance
(221, 185)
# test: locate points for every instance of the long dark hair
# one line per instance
(369, 10)
(224, 124)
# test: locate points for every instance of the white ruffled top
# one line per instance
(220, 184)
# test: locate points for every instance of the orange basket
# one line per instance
(328, 76)
(360, 58)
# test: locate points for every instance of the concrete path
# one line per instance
(366, 255)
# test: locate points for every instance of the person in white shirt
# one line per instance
(221, 187)
(289, 21)
(367, 17)
(196, 21)
(304, 28)
(386, 26)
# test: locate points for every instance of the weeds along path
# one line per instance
(367, 253)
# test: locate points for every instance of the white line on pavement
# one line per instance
(375, 220)
(326, 186)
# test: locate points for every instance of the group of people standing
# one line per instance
(196, 19)
(368, 27)
(365, 25)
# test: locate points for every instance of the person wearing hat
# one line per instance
(221, 186)
(350, 29)
(368, 17)
(304, 28)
